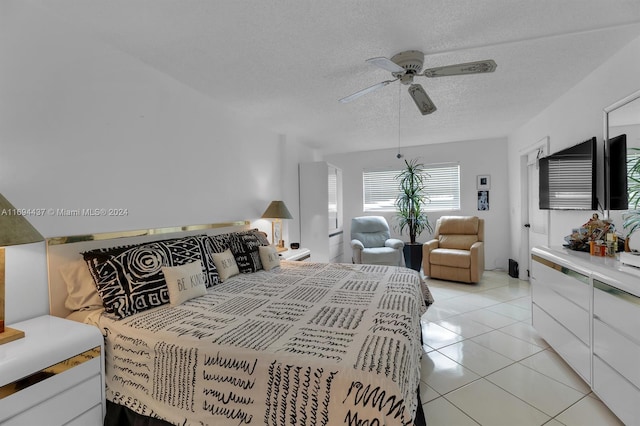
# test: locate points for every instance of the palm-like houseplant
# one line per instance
(632, 218)
(410, 214)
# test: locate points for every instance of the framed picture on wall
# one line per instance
(483, 200)
(484, 182)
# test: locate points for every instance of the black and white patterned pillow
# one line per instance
(130, 280)
(218, 243)
(244, 246)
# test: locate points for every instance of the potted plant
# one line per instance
(632, 217)
(410, 213)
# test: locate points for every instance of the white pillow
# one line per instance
(184, 282)
(269, 257)
(82, 293)
(225, 264)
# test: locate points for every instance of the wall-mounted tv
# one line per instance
(568, 178)
(618, 185)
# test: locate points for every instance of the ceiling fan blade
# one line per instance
(422, 100)
(476, 67)
(365, 91)
(386, 64)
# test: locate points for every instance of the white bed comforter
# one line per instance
(303, 344)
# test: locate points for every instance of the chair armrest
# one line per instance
(426, 251)
(356, 248)
(477, 261)
(357, 245)
(430, 245)
(394, 243)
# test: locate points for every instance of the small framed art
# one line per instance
(484, 182)
(483, 200)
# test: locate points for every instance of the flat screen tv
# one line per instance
(568, 178)
(618, 185)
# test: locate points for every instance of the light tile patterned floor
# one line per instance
(484, 363)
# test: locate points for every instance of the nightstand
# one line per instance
(54, 375)
(300, 254)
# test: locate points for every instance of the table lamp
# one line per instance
(277, 210)
(14, 230)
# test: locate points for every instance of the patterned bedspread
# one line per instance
(303, 344)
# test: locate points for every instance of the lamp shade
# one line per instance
(277, 210)
(14, 228)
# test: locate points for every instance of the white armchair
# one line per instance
(371, 242)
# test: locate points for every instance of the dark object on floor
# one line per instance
(420, 420)
(119, 415)
(514, 272)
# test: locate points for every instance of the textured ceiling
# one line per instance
(285, 63)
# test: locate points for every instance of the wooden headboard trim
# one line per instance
(141, 232)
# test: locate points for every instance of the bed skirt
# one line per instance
(119, 415)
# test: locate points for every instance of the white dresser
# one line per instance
(54, 375)
(588, 310)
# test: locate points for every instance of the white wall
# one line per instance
(478, 157)
(574, 117)
(83, 125)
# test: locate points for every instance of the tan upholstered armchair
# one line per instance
(457, 251)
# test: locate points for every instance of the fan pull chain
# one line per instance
(399, 154)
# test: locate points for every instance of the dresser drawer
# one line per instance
(621, 353)
(618, 309)
(573, 350)
(572, 316)
(571, 284)
(622, 397)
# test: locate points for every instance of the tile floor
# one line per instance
(484, 363)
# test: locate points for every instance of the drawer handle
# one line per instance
(616, 292)
(569, 272)
(37, 377)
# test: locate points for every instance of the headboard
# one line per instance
(62, 250)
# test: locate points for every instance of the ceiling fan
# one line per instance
(406, 65)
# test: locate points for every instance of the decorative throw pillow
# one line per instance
(226, 264)
(244, 246)
(211, 274)
(218, 243)
(269, 257)
(130, 280)
(82, 293)
(184, 282)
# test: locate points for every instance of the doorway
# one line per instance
(535, 222)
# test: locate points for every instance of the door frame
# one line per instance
(528, 154)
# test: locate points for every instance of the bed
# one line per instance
(286, 343)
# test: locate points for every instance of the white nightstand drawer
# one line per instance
(62, 407)
(74, 379)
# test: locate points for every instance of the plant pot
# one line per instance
(413, 255)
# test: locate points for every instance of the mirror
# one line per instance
(620, 118)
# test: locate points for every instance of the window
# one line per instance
(381, 188)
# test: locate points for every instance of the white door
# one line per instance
(535, 222)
